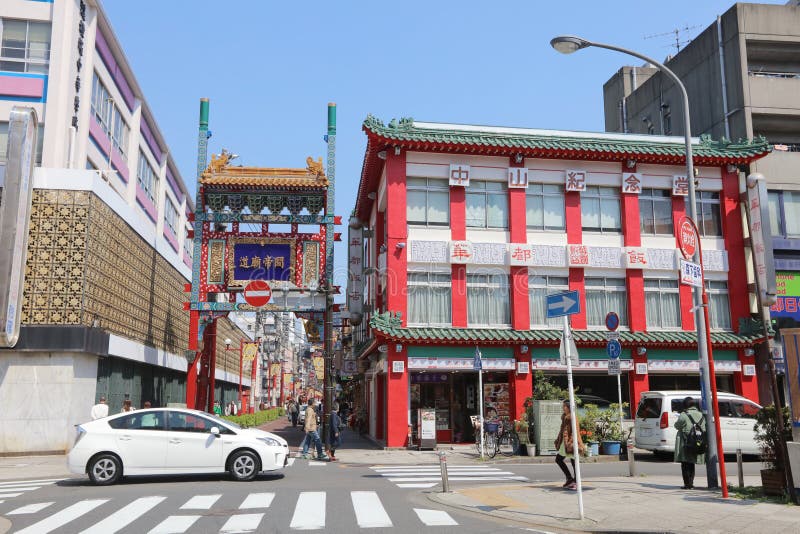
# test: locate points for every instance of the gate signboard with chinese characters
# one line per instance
(247, 233)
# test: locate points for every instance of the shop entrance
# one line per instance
(454, 396)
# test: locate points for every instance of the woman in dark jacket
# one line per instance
(564, 444)
(688, 418)
(335, 433)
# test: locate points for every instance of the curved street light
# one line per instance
(568, 44)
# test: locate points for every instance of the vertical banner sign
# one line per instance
(15, 217)
(761, 237)
(355, 271)
(791, 341)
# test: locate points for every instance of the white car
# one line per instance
(658, 410)
(172, 441)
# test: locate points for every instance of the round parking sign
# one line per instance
(612, 321)
(613, 349)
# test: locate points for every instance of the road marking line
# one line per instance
(175, 524)
(309, 512)
(290, 462)
(312, 463)
(29, 482)
(425, 485)
(63, 517)
(9, 495)
(370, 513)
(12, 487)
(457, 473)
(413, 467)
(124, 516)
(429, 479)
(30, 509)
(242, 523)
(257, 500)
(200, 502)
(21, 488)
(435, 518)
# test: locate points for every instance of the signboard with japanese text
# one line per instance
(517, 177)
(687, 238)
(788, 295)
(398, 366)
(761, 236)
(461, 252)
(459, 175)
(680, 186)
(260, 259)
(636, 258)
(575, 180)
(578, 255)
(249, 352)
(614, 368)
(355, 271)
(520, 254)
(631, 183)
(691, 274)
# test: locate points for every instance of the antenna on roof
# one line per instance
(680, 34)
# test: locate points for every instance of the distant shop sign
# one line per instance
(788, 295)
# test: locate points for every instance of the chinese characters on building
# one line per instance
(459, 175)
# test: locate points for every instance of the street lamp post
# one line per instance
(567, 44)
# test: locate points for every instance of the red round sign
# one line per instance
(257, 293)
(687, 238)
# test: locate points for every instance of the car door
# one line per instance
(729, 425)
(746, 412)
(142, 441)
(192, 448)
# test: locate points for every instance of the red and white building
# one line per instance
(466, 229)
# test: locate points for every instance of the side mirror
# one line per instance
(215, 430)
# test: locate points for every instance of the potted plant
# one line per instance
(588, 428)
(773, 479)
(521, 427)
(609, 431)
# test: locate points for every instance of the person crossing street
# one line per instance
(312, 434)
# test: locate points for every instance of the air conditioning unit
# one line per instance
(546, 424)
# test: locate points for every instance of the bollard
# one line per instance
(739, 467)
(443, 469)
(631, 459)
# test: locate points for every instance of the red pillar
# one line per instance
(685, 292)
(746, 386)
(458, 232)
(574, 224)
(397, 399)
(632, 237)
(521, 385)
(638, 383)
(518, 279)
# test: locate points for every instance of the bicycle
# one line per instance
(507, 440)
(489, 437)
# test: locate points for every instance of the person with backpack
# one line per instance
(690, 441)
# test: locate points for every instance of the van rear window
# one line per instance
(649, 407)
(677, 404)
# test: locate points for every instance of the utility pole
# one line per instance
(328, 286)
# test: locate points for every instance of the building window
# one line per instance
(146, 177)
(171, 216)
(600, 209)
(663, 303)
(428, 202)
(487, 204)
(109, 117)
(488, 300)
(188, 247)
(4, 142)
(655, 210)
(429, 298)
(719, 310)
(544, 205)
(538, 288)
(24, 46)
(784, 213)
(708, 213)
(605, 295)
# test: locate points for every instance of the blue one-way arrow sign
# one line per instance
(567, 303)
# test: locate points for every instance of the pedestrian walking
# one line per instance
(294, 411)
(565, 447)
(312, 435)
(234, 408)
(217, 409)
(690, 440)
(100, 409)
(334, 432)
(127, 406)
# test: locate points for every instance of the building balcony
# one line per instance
(781, 169)
(774, 91)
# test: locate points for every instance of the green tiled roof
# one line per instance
(390, 327)
(544, 143)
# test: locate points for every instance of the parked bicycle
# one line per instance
(507, 439)
(490, 431)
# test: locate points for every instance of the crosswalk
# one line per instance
(14, 488)
(158, 514)
(427, 476)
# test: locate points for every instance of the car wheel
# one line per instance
(105, 469)
(244, 466)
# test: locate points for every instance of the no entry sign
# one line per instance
(687, 238)
(257, 293)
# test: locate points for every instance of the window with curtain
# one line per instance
(487, 204)
(663, 303)
(544, 207)
(24, 46)
(146, 177)
(109, 117)
(4, 142)
(538, 288)
(775, 217)
(719, 310)
(188, 247)
(429, 298)
(488, 300)
(709, 214)
(427, 201)
(784, 213)
(605, 295)
(600, 211)
(171, 216)
(655, 210)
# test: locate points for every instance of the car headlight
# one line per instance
(269, 441)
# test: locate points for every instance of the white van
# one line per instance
(658, 411)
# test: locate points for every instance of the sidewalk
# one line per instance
(33, 467)
(622, 504)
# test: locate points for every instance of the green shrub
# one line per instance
(247, 420)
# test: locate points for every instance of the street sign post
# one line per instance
(478, 366)
(563, 305)
(614, 368)
(257, 293)
(612, 321)
(687, 238)
(614, 351)
(691, 274)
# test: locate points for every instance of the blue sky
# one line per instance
(270, 68)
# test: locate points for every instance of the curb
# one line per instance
(5, 525)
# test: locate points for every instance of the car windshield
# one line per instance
(223, 421)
